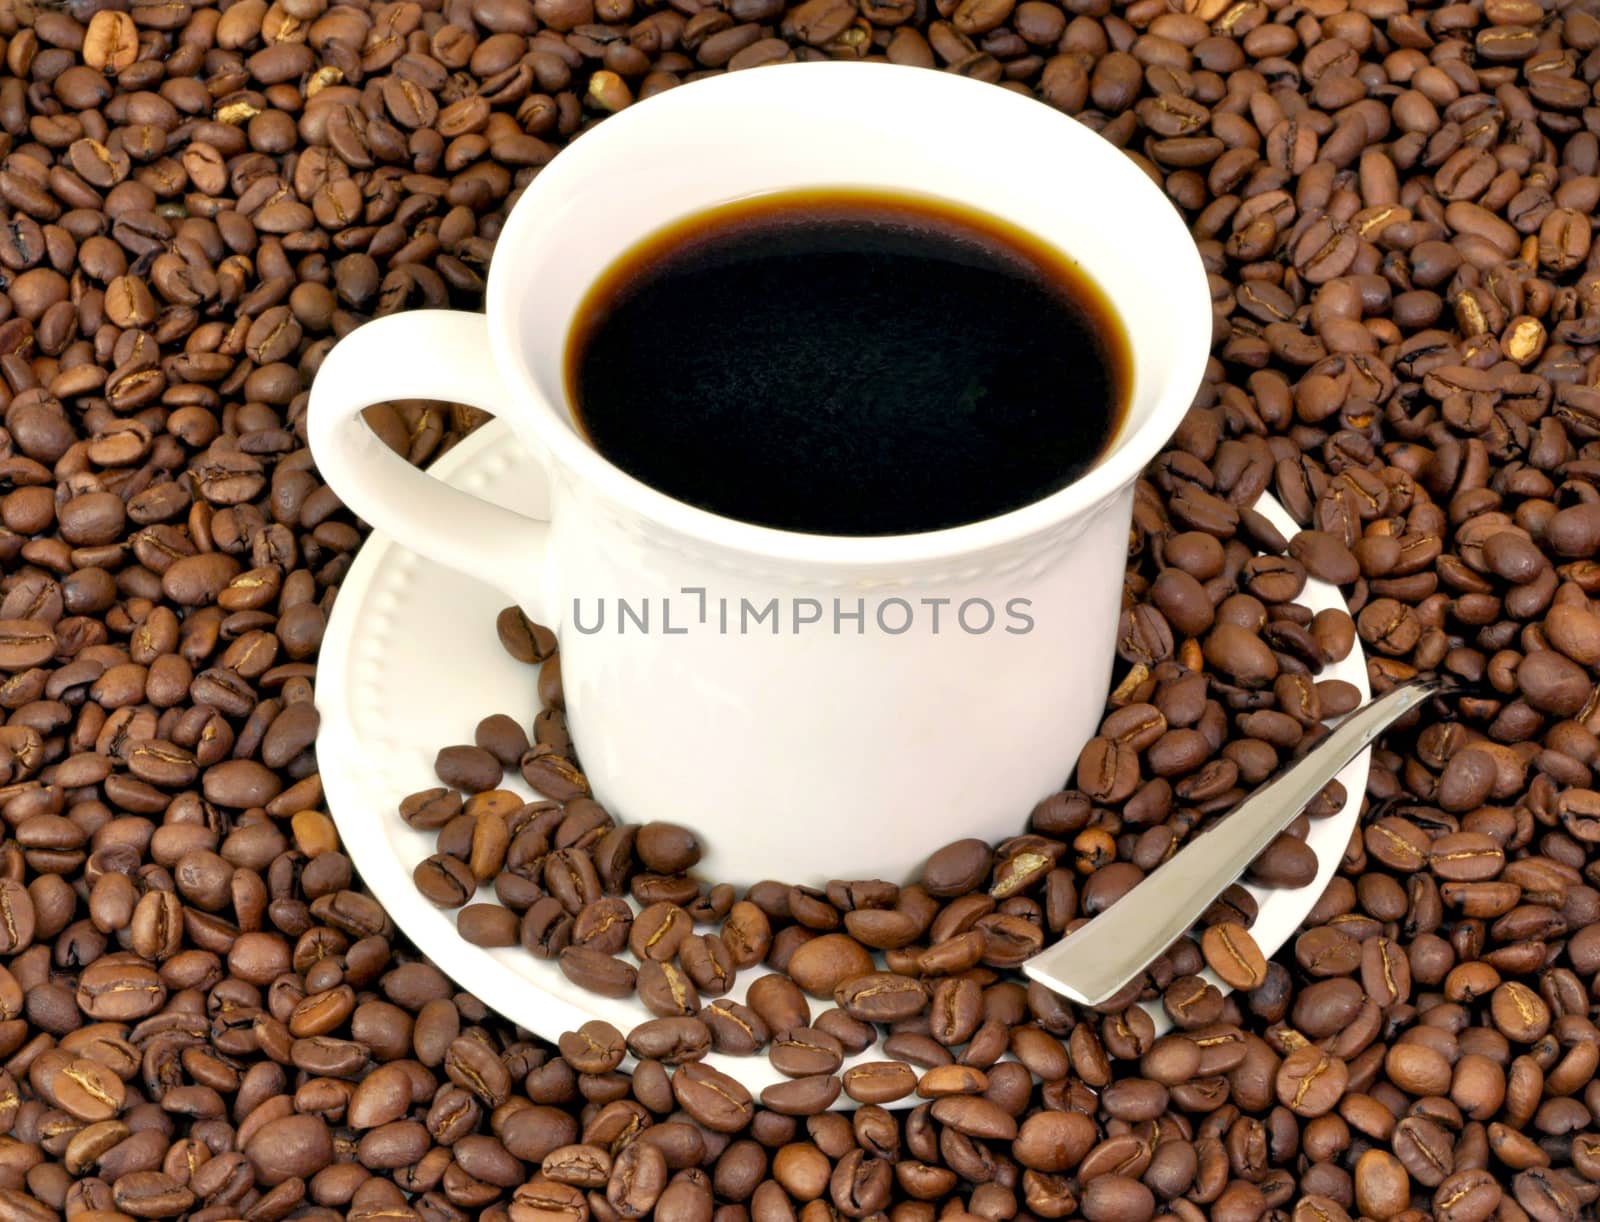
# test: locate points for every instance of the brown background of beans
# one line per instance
(201, 1013)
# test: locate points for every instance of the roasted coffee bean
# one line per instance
(807, 1096)
(780, 1003)
(502, 738)
(667, 990)
(804, 1051)
(444, 880)
(289, 1147)
(1232, 953)
(672, 1041)
(553, 775)
(522, 638)
(1381, 1184)
(957, 868)
(638, 1177)
(821, 964)
(581, 1166)
(1518, 1012)
(881, 997)
(470, 768)
(1054, 1141)
(658, 931)
(603, 925)
(1310, 1082)
(594, 1048)
(476, 1069)
(735, 1029)
(1117, 1198)
(1424, 1149)
(879, 1081)
(597, 972)
(1286, 862)
(667, 848)
(712, 1098)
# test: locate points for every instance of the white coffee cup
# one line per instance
(802, 749)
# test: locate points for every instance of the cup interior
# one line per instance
(880, 127)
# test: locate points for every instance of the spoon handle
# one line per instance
(1099, 959)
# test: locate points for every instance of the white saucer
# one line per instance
(411, 662)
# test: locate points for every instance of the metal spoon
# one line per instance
(1099, 959)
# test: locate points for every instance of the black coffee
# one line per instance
(848, 363)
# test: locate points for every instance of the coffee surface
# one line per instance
(846, 362)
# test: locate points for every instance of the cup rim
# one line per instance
(550, 423)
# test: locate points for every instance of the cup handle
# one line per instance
(423, 354)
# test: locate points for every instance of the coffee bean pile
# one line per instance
(202, 1015)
